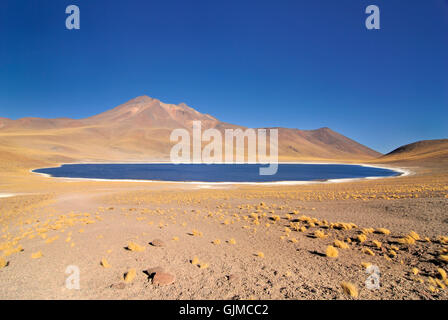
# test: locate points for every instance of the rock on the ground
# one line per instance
(157, 243)
(163, 278)
(119, 285)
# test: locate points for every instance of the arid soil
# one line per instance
(224, 242)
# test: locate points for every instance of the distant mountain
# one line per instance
(426, 150)
(140, 129)
(148, 112)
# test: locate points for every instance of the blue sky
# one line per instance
(299, 64)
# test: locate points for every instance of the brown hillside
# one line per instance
(426, 150)
(139, 130)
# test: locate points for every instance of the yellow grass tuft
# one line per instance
(3, 263)
(232, 241)
(343, 225)
(50, 240)
(197, 233)
(368, 230)
(349, 289)
(260, 254)
(319, 234)
(406, 240)
(217, 241)
(365, 264)
(36, 255)
(432, 281)
(377, 244)
(132, 246)
(195, 261)
(442, 273)
(203, 265)
(443, 257)
(382, 231)
(432, 289)
(392, 253)
(340, 244)
(130, 275)
(415, 271)
(304, 218)
(361, 238)
(175, 238)
(331, 252)
(440, 284)
(9, 249)
(368, 251)
(443, 239)
(104, 263)
(414, 235)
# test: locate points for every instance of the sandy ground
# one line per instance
(250, 242)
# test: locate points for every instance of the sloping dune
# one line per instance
(426, 151)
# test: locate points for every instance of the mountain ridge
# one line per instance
(139, 129)
(435, 151)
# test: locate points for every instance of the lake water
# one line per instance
(215, 172)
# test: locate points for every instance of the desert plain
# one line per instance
(155, 240)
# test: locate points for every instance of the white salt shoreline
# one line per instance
(7, 195)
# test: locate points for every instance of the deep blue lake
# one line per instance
(215, 172)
